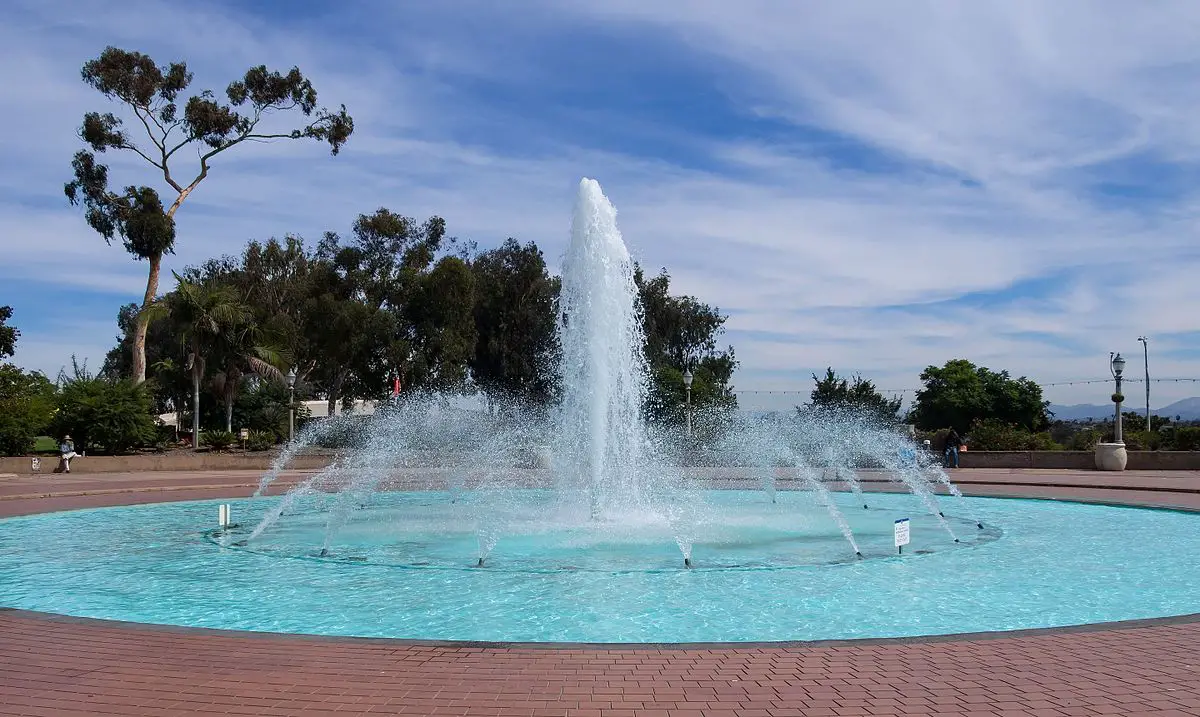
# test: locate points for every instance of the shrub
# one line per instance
(1142, 440)
(1085, 440)
(260, 441)
(218, 440)
(1187, 438)
(114, 416)
(990, 434)
(26, 408)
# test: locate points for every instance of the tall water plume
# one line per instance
(600, 444)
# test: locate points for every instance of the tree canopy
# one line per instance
(853, 396)
(960, 393)
(681, 335)
(166, 124)
(8, 334)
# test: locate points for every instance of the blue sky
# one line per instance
(873, 186)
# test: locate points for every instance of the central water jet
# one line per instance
(601, 437)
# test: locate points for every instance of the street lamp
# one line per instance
(687, 385)
(291, 379)
(1117, 367)
(1146, 357)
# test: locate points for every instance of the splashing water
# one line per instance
(613, 479)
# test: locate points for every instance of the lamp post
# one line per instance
(687, 385)
(1117, 367)
(291, 379)
(1146, 358)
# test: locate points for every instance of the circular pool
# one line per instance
(406, 567)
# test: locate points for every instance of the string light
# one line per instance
(893, 391)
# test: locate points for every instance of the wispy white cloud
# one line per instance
(982, 127)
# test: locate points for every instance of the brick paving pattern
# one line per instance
(52, 665)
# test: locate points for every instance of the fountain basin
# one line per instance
(1038, 564)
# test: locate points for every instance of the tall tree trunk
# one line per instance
(335, 392)
(229, 412)
(195, 407)
(143, 322)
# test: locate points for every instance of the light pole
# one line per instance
(687, 414)
(1117, 367)
(291, 379)
(1146, 357)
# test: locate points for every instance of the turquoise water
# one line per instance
(404, 567)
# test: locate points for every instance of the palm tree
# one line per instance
(203, 314)
(244, 350)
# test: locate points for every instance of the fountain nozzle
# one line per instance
(865, 507)
(941, 514)
(980, 525)
(858, 554)
(480, 563)
(687, 562)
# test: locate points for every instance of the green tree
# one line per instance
(682, 333)
(440, 312)
(858, 396)
(380, 321)
(26, 408)
(203, 315)
(152, 95)
(243, 350)
(114, 416)
(516, 302)
(8, 334)
(961, 393)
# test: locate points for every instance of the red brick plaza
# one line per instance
(54, 665)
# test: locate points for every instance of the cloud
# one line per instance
(866, 186)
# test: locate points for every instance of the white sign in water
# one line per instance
(901, 530)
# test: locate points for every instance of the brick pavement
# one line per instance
(52, 665)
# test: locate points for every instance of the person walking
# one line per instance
(66, 451)
(953, 441)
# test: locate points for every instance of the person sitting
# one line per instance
(953, 441)
(66, 451)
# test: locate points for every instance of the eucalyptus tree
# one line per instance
(516, 305)
(166, 125)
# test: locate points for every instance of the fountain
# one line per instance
(584, 523)
(612, 481)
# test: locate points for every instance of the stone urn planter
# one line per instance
(1111, 456)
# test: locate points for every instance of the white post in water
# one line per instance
(223, 515)
(901, 533)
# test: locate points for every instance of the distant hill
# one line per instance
(1187, 409)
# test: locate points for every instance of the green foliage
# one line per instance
(1084, 440)
(26, 409)
(1187, 438)
(834, 393)
(440, 312)
(218, 440)
(960, 393)
(103, 414)
(668, 399)
(516, 337)
(991, 434)
(202, 127)
(1142, 440)
(260, 441)
(682, 333)
(8, 334)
